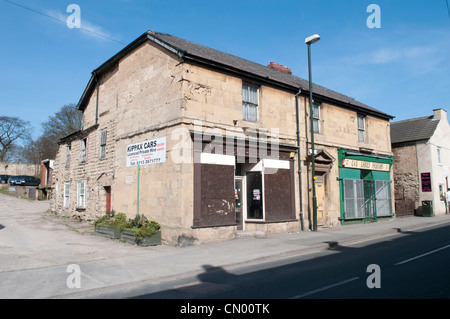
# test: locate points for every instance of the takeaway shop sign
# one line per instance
(147, 152)
(350, 163)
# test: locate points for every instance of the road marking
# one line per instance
(420, 256)
(324, 288)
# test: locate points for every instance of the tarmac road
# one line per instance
(37, 248)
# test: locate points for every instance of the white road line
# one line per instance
(324, 288)
(420, 256)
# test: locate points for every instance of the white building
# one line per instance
(421, 148)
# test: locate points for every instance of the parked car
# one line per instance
(31, 181)
(4, 179)
(16, 180)
(24, 180)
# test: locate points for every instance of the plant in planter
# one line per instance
(111, 225)
(142, 232)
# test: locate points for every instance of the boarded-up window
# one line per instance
(277, 191)
(217, 195)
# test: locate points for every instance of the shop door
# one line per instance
(239, 202)
(254, 196)
(320, 197)
(369, 201)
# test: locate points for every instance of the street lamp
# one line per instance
(310, 40)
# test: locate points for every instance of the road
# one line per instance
(414, 265)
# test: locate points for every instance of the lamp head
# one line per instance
(312, 39)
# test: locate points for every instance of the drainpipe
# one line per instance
(96, 102)
(299, 159)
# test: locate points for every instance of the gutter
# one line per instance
(298, 158)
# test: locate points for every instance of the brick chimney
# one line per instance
(279, 67)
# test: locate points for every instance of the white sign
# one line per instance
(351, 163)
(129, 179)
(147, 152)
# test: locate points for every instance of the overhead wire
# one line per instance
(62, 21)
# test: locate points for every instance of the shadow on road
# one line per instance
(295, 276)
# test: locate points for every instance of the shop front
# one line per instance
(365, 187)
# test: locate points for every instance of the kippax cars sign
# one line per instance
(148, 152)
(374, 166)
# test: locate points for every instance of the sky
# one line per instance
(395, 58)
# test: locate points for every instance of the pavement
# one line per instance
(39, 248)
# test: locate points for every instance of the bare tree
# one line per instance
(12, 130)
(66, 121)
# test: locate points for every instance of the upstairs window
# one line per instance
(316, 117)
(103, 144)
(83, 150)
(68, 153)
(250, 103)
(361, 128)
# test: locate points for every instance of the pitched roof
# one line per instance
(196, 53)
(411, 130)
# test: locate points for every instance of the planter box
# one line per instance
(107, 232)
(128, 236)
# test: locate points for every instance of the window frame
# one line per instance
(363, 129)
(68, 154)
(81, 194)
(248, 103)
(316, 117)
(102, 143)
(83, 149)
(66, 194)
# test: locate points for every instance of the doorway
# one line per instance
(320, 197)
(108, 198)
(255, 209)
(238, 194)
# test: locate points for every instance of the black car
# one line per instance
(24, 180)
(16, 180)
(31, 181)
(4, 179)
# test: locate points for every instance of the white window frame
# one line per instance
(361, 130)
(316, 117)
(81, 194)
(103, 137)
(66, 194)
(249, 104)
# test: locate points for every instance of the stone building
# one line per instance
(421, 148)
(205, 143)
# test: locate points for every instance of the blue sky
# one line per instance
(401, 68)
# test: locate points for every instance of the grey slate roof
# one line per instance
(190, 48)
(411, 130)
(196, 53)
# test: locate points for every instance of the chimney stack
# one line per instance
(279, 67)
(439, 114)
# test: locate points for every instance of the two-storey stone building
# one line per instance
(206, 143)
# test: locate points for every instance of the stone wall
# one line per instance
(19, 169)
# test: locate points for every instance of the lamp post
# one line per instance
(310, 40)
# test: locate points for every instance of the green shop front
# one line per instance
(365, 187)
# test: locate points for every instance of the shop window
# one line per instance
(383, 198)
(354, 198)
